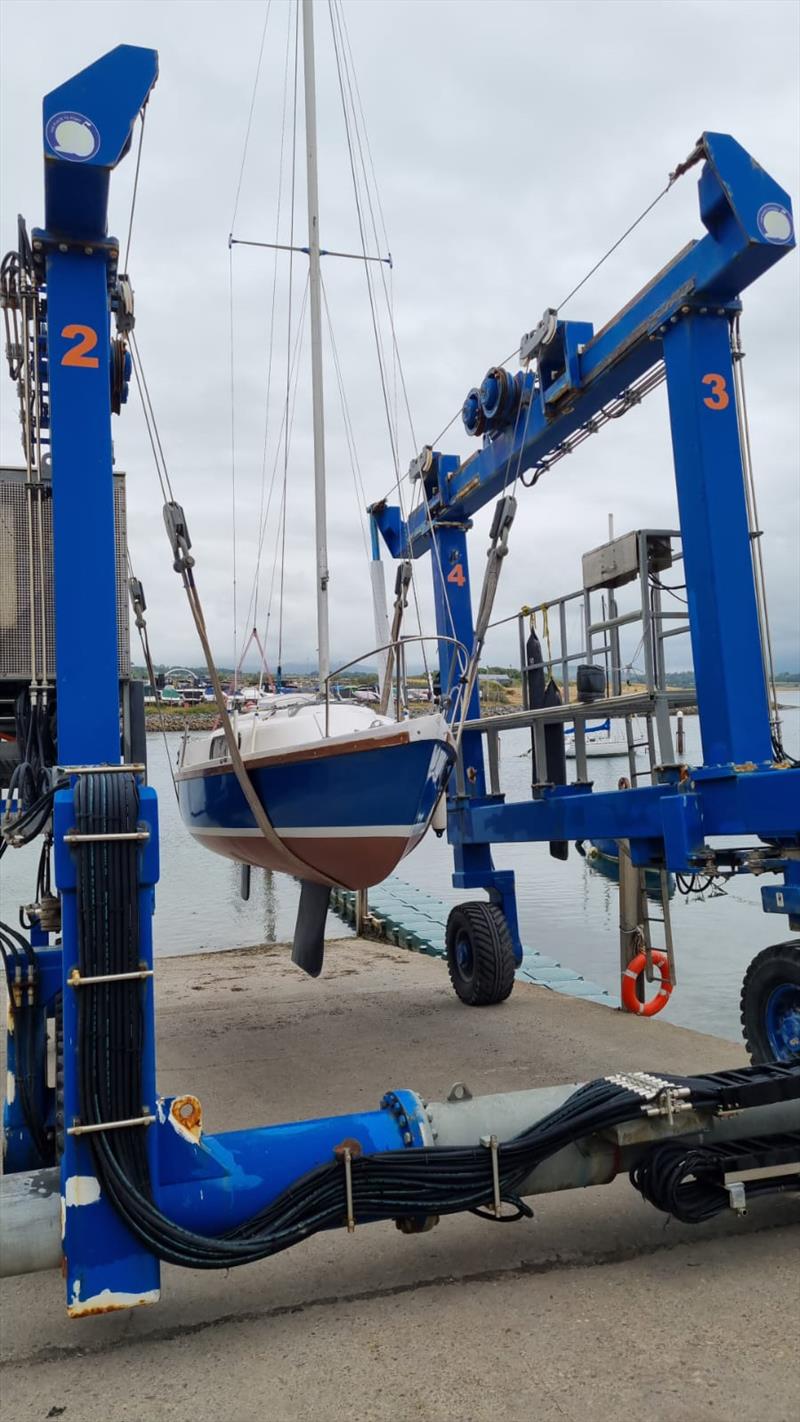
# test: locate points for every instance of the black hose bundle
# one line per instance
(19, 962)
(688, 1181)
(388, 1185)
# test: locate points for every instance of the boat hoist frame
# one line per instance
(57, 1204)
(682, 318)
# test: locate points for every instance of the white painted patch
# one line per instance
(11, 1087)
(63, 1220)
(107, 1300)
(82, 1190)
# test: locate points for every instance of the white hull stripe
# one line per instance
(321, 832)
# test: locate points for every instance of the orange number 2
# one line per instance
(456, 575)
(719, 398)
(85, 341)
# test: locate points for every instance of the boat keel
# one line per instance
(308, 947)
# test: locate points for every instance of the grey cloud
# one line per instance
(513, 143)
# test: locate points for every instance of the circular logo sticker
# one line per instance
(775, 223)
(72, 136)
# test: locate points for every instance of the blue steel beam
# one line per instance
(749, 227)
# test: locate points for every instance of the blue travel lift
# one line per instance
(107, 1177)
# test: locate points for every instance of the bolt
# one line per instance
(37, 246)
(62, 247)
(672, 320)
(703, 310)
(685, 310)
(406, 1138)
(88, 251)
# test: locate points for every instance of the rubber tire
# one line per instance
(490, 977)
(769, 969)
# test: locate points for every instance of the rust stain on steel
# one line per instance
(355, 1148)
(188, 1113)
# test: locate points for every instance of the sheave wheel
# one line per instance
(480, 955)
(771, 1004)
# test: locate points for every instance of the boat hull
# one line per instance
(384, 792)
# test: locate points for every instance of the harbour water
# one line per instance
(567, 910)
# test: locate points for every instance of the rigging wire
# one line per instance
(233, 469)
(284, 501)
(299, 337)
(250, 116)
(355, 467)
(268, 396)
(352, 131)
(142, 117)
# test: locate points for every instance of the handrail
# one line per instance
(398, 648)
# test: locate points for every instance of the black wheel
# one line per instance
(480, 955)
(771, 1004)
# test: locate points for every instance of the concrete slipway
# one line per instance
(601, 1308)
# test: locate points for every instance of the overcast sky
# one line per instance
(513, 142)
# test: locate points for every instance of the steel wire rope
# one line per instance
(738, 355)
(355, 467)
(673, 177)
(284, 501)
(142, 116)
(234, 539)
(373, 308)
(299, 336)
(267, 401)
(250, 116)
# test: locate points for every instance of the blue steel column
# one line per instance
(88, 124)
(83, 511)
(473, 866)
(726, 643)
(105, 1267)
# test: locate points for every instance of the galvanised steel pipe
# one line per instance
(255, 1166)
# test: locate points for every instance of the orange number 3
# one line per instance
(456, 575)
(85, 338)
(719, 398)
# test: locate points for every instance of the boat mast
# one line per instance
(315, 309)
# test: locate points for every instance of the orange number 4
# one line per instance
(85, 338)
(719, 398)
(456, 575)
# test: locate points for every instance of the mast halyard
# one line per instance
(315, 310)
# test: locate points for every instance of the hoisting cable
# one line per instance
(177, 533)
(696, 155)
(738, 354)
(142, 116)
(139, 607)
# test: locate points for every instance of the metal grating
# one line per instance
(27, 613)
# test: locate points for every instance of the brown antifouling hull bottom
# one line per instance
(352, 863)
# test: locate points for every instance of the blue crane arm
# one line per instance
(749, 226)
(87, 127)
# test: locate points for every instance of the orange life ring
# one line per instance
(630, 977)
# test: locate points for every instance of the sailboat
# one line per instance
(335, 793)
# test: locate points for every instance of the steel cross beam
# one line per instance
(682, 317)
(749, 227)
